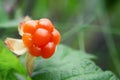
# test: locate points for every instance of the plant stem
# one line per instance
(112, 49)
(30, 63)
(81, 41)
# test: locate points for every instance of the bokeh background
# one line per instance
(89, 25)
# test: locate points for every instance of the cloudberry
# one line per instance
(29, 26)
(40, 37)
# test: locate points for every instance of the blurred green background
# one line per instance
(89, 25)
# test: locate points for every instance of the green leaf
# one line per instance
(10, 65)
(69, 64)
(10, 24)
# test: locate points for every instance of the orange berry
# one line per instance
(29, 26)
(48, 50)
(35, 50)
(56, 36)
(45, 24)
(41, 37)
(27, 39)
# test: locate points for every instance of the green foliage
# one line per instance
(66, 64)
(69, 64)
(10, 65)
(43, 10)
(3, 14)
(10, 24)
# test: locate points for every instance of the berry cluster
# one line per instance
(41, 37)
